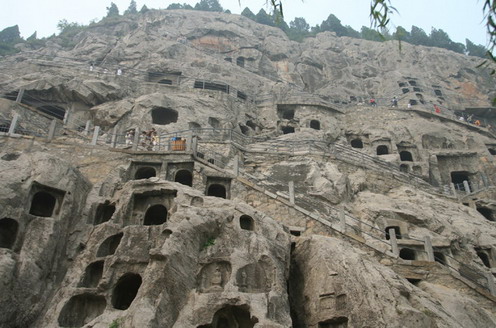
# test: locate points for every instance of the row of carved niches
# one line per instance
(251, 278)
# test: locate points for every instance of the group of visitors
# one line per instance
(118, 72)
(149, 139)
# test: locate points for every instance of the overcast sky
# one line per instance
(459, 18)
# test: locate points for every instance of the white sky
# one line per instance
(43, 15)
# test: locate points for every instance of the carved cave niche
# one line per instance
(486, 212)
(218, 187)
(81, 309)
(8, 232)
(45, 201)
(163, 115)
(144, 170)
(338, 322)
(356, 143)
(286, 112)
(255, 277)
(92, 275)
(104, 212)
(181, 172)
(109, 245)
(408, 254)
(246, 222)
(152, 207)
(125, 291)
(231, 316)
(315, 124)
(213, 277)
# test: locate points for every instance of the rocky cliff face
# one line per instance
(272, 194)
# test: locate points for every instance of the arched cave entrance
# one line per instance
(356, 143)
(407, 254)
(406, 156)
(484, 258)
(240, 61)
(246, 222)
(287, 129)
(440, 258)
(457, 178)
(92, 275)
(109, 245)
(339, 322)
(155, 215)
(125, 291)
(404, 168)
(145, 172)
(486, 212)
(104, 213)
(217, 190)
(232, 316)
(8, 232)
(314, 124)
(43, 204)
(81, 309)
(184, 177)
(163, 116)
(382, 150)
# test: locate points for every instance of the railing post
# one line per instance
(136, 139)
(467, 187)
(95, 135)
(236, 165)
(114, 137)
(291, 192)
(20, 94)
(51, 129)
(393, 241)
(428, 248)
(490, 283)
(194, 145)
(342, 219)
(87, 127)
(13, 124)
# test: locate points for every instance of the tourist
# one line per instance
(129, 137)
(372, 102)
(394, 102)
(119, 71)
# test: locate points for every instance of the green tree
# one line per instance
(144, 9)
(179, 6)
(112, 11)
(333, 24)
(371, 34)
(401, 34)
(132, 9)
(263, 18)
(298, 29)
(209, 5)
(248, 13)
(475, 50)
(419, 37)
(10, 35)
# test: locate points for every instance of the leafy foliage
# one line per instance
(8, 38)
(209, 5)
(131, 10)
(179, 6)
(68, 31)
(112, 11)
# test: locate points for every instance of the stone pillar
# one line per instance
(236, 165)
(136, 138)
(13, 124)
(20, 94)
(393, 241)
(342, 219)
(490, 283)
(66, 117)
(291, 192)
(95, 135)
(51, 130)
(453, 189)
(194, 145)
(467, 187)
(87, 127)
(428, 248)
(114, 137)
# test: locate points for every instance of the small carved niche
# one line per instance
(255, 278)
(213, 277)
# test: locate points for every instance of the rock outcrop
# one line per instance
(264, 192)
